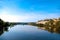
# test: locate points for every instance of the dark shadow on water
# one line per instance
(52, 25)
(5, 25)
(4, 28)
(49, 29)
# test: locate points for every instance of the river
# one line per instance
(27, 32)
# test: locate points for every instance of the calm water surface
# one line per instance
(27, 32)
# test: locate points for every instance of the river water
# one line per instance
(27, 32)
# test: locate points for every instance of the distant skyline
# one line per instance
(29, 10)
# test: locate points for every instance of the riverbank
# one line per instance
(52, 25)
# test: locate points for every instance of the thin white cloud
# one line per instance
(25, 18)
(13, 14)
(14, 18)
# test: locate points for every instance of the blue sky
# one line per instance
(29, 10)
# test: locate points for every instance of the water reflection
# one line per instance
(50, 29)
(4, 28)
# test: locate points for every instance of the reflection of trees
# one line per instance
(54, 30)
(2, 29)
(53, 25)
(4, 26)
(49, 25)
(58, 26)
(34, 24)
